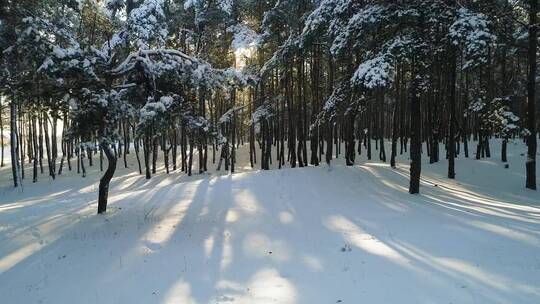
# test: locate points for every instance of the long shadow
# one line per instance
(91, 231)
(434, 262)
(205, 221)
(440, 200)
(205, 234)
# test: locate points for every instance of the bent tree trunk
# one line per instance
(106, 178)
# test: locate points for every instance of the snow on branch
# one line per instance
(227, 116)
(245, 40)
(143, 56)
(374, 73)
(471, 32)
(285, 51)
(147, 24)
(364, 21)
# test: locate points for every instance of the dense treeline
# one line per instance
(294, 80)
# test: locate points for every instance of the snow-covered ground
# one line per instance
(306, 235)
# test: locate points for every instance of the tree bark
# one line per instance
(1, 133)
(13, 141)
(416, 137)
(106, 178)
(531, 97)
(452, 102)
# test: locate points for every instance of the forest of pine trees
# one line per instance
(86, 83)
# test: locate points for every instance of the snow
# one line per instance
(359, 24)
(166, 101)
(263, 112)
(59, 52)
(227, 6)
(47, 63)
(228, 116)
(471, 32)
(151, 109)
(245, 40)
(314, 235)
(189, 4)
(374, 73)
(146, 23)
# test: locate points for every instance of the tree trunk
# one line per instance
(531, 97)
(154, 154)
(106, 178)
(382, 151)
(36, 152)
(452, 102)
(136, 143)
(125, 127)
(13, 141)
(503, 150)
(1, 133)
(48, 145)
(394, 134)
(416, 137)
(146, 152)
(190, 162)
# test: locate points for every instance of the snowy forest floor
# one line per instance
(307, 235)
